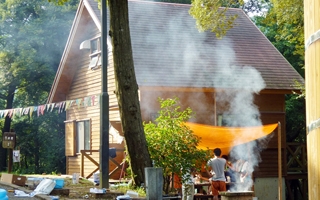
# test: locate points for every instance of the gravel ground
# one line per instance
(11, 187)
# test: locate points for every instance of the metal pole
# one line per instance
(279, 162)
(104, 106)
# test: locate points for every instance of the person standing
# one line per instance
(188, 185)
(218, 179)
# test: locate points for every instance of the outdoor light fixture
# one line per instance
(85, 45)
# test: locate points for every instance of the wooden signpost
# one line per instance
(9, 142)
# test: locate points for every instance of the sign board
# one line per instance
(9, 140)
(16, 155)
(14, 179)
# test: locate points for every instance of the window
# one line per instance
(94, 62)
(95, 53)
(82, 135)
(95, 46)
(223, 120)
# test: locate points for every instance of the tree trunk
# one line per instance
(6, 128)
(127, 89)
(36, 154)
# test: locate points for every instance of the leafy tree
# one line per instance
(287, 36)
(209, 16)
(255, 7)
(172, 145)
(283, 25)
(32, 37)
(176, 1)
(295, 119)
(41, 143)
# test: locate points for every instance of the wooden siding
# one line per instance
(85, 83)
(202, 104)
(271, 107)
(269, 165)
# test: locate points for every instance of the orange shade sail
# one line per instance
(228, 137)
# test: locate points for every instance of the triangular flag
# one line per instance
(10, 112)
(92, 99)
(52, 106)
(26, 111)
(19, 111)
(31, 111)
(48, 107)
(67, 105)
(6, 113)
(89, 101)
(42, 108)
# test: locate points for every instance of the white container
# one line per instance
(254, 198)
(75, 178)
(96, 177)
(132, 194)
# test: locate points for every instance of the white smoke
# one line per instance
(239, 85)
(178, 49)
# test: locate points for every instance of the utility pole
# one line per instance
(104, 105)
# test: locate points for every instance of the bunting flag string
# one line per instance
(59, 106)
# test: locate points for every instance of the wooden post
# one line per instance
(10, 151)
(279, 162)
(312, 83)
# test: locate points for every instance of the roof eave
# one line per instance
(53, 95)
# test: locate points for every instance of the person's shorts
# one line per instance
(218, 186)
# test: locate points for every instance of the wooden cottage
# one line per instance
(173, 59)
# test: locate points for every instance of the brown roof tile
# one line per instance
(168, 50)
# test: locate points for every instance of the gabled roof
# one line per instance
(169, 51)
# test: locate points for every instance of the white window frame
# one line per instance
(95, 53)
(83, 135)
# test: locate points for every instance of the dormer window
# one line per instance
(95, 53)
(94, 45)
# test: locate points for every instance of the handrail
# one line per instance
(297, 157)
(87, 153)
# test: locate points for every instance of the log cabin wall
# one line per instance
(201, 103)
(271, 108)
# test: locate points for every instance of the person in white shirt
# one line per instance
(188, 185)
(218, 179)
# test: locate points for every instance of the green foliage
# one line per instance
(59, 2)
(41, 144)
(172, 145)
(32, 38)
(175, 1)
(283, 26)
(295, 119)
(123, 188)
(209, 16)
